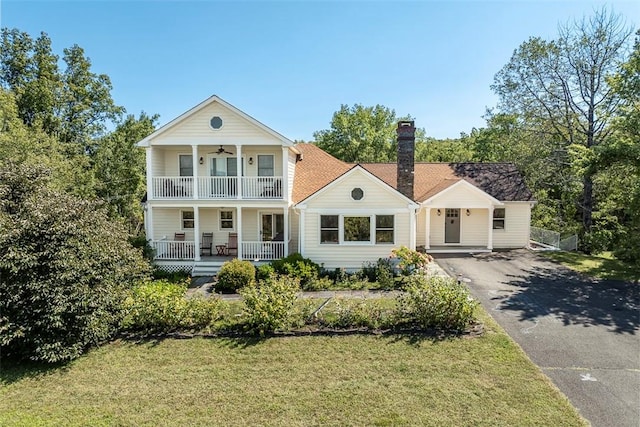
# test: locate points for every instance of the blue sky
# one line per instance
(292, 64)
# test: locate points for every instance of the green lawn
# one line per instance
(293, 381)
(604, 265)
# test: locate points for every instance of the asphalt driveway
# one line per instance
(583, 333)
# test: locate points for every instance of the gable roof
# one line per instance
(214, 98)
(501, 181)
(316, 170)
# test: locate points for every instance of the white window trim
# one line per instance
(257, 163)
(178, 158)
(504, 220)
(211, 127)
(182, 220)
(372, 229)
(233, 220)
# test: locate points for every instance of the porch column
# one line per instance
(427, 228)
(285, 173)
(239, 228)
(150, 194)
(301, 239)
(196, 232)
(412, 228)
(490, 239)
(148, 221)
(239, 184)
(195, 159)
(285, 214)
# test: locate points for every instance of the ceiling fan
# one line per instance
(222, 150)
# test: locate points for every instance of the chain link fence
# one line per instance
(552, 239)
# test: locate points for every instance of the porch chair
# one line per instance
(178, 237)
(177, 251)
(206, 245)
(232, 244)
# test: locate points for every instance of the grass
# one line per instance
(292, 381)
(603, 266)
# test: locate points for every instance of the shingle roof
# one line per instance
(500, 180)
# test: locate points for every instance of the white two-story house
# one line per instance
(220, 184)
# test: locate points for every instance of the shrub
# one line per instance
(269, 305)
(161, 306)
(409, 260)
(265, 271)
(295, 265)
(356, 313)
(64, 269)
(235, 274)
(381, 272)
(435, 302)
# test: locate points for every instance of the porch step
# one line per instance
(206, 268)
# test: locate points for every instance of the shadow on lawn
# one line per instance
(574, 299)
(14, 371)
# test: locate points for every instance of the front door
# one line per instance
(452, 226)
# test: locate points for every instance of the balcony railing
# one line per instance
(217, 187)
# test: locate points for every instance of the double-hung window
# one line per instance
(187, 220)
(329, 229)
(384, 229)
(265, 165)
(226, 220)
(186, 164)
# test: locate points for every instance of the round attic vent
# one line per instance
(216, 122)
(357, 194)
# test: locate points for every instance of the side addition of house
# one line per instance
(220, 184)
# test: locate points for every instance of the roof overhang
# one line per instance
(490, 200)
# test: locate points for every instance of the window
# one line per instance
(384, 228)
(329, 229)
(226, 220)
(215, 122)
(265, 165)
(498, 218)
(357, 228)
(186, 164)
(370, 229)
(357, 194)
(187, 219)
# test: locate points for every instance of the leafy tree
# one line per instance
(64, 269)
(119, 168)
(360, 134)
(560, 88)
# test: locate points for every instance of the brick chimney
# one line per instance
(406, 150)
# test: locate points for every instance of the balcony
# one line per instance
(217, 187)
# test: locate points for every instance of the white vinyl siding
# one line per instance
(474, 228)
(234, 128)
(516, 227)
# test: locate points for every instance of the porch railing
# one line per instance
(173, 187)
(217, 187)
(259, 251)
(171, 249)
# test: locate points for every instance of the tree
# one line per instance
(64, 269)
(119, 168)
(360, 134)
(561, 88)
